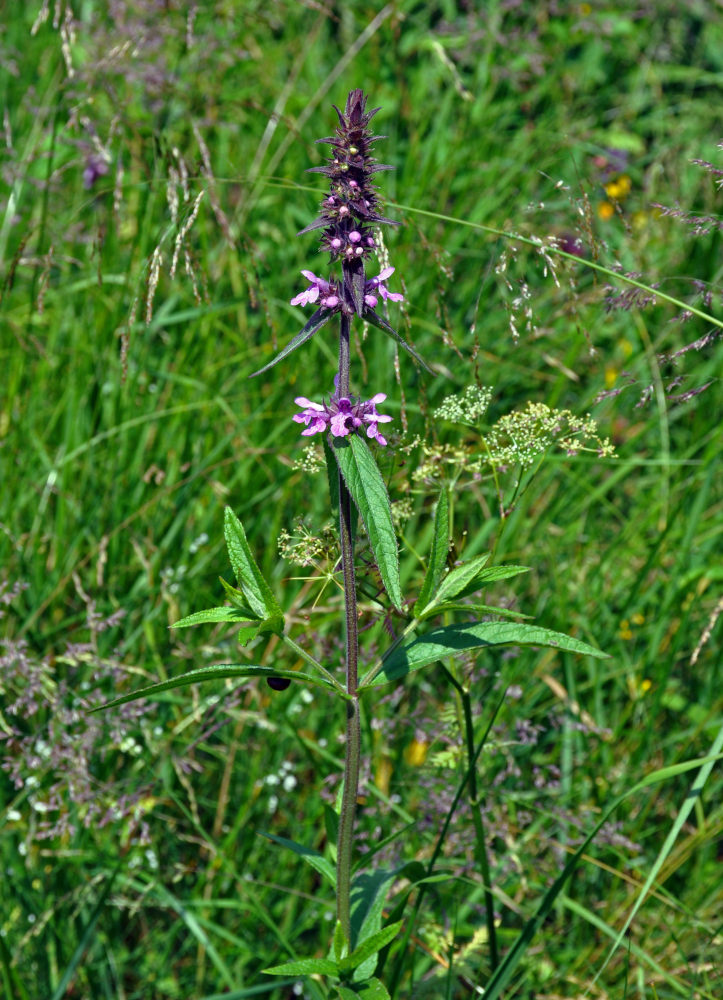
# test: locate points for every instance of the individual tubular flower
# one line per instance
(342, 415)
(323, 291)
(374, 285)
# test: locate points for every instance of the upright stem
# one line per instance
(353, 729)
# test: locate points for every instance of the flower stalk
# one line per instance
(348, 217)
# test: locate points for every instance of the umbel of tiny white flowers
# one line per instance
(342, 415)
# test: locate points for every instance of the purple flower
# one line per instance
(377, 285)
(342, 415)
(95, 167)
(318, 289)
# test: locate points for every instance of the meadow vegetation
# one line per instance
(558, 178)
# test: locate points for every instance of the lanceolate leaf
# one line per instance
(376, 320)
(219, 672)
(216, 615)
(438, 553)
(304, 967)
(255, 588)
(468, 579)
(459, 578)
(319, 319)
(364, 481)
(444, 642)
(237, 598)
(369, 948)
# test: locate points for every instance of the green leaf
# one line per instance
(468, 579)
(460, 577)
(364, 481)
(473, 609)
(255, 588)
(369, 949)
(489, 575)
(216, 673)
(224, 614)
(304, 967)
(438, 553)
(372, 989)
(317, 861)
(319, 319)
(376, 320)
(368, 896)
(237, 598)
(447, 641)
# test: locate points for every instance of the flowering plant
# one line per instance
(349, 220)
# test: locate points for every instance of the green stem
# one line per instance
(353, 728)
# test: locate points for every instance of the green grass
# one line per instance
(121, 441)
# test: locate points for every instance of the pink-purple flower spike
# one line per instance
(342, 416)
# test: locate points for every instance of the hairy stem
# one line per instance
(353, 729)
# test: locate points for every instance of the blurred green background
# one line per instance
(132, 314)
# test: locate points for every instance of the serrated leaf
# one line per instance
(376, 320)
(444, 642)
(468, 579)
(256, 590)
(216, 673)
(304, 967)
(237, 598)
(460, 577)
(370, 948)
(364, 481)
(319, 319)
(234, 615)
(317, 861)
(438, 553)
(489, 575)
